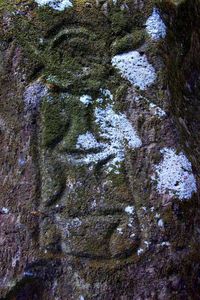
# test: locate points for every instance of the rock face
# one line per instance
(99, 127)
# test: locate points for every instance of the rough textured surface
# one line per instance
(78, 231)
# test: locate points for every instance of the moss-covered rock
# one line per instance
(83, 228)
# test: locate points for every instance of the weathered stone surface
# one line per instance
(84, 129)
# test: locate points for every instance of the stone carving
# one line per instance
(84, 189)
(98, 138)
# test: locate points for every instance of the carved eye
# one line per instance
(75, 46)
(69, 33)
(74, 41)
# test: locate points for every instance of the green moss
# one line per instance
(54, 124)
(120, 103)
(77, 52)
(7, 5)
(119, 22)
(128, 42)
(63, 118)
(118, 180)
(78, 126)
(53, 187)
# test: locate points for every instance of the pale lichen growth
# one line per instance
(160, 223)
(157, 111)
(129, 210)
(155, 26)
(33, 94)
(16, 259)
(115, 134)
(4, 210)
(140, 251)
(167, 244)
(118, 133)
(153, 108)
(174, 175)
(135, 68)
(86, 99)
(74, 223)
(87, 141)
(119, 230)
(55, 4)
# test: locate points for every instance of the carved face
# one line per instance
(85, 195)
(84, 141)
(100, 206)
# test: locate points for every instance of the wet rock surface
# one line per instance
(94, 96)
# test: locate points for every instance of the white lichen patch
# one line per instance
(115, 135)
(157, 111)
(157, 216)
(15, 259)
(86, 99)
(153, 108)
(135, 67)
(140, 251)
(155, 26)
(93, 204)
(174, 175)
(33, 94)
(117, 132)
(74, 223)
(161, 223)
(4, 210)
(55, 4)
(28, 274)
(107, 93)
(119, 230)
(117, 129)
(87, 141)
(147, 244)
(129, 210)
(132, 235)
(144, 208)
(167, 244)
(130, 222)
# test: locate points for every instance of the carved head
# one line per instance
(84, 136)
